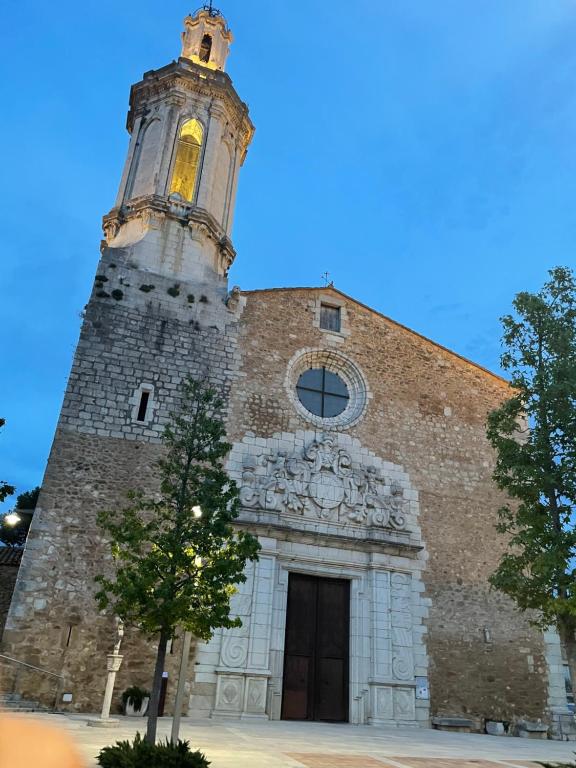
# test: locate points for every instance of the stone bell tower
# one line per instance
(158, 311)
(189, 136)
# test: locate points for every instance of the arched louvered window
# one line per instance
(187, 160)
(205, 48)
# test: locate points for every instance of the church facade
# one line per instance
(358, 446)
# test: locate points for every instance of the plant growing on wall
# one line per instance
(177, 557)
(534, 434)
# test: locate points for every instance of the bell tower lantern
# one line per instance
(206, 38)
(189, 136)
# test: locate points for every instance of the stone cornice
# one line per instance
(185, 75)
(154, 209)
(262, 524)
(370, 540)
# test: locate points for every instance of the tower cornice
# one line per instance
(184, 75)
(153, 210)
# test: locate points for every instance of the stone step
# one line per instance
(23, 705)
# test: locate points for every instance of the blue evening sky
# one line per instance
(421, 151)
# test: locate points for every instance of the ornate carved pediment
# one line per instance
(323, 480)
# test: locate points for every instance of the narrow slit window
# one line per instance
(187, 160)
(330, 318)
(143, 407)
(205, 48)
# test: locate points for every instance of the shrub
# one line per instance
(174, 291)
(117, 294)
(135, 695)
(140, 754)
(557, 765)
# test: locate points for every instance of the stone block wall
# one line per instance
(129, 337)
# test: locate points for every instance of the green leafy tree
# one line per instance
(534, 434)
(28, 499)
(5, 489)
(177, 555)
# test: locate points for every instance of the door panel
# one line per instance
(331, 700)
(296, 688)
(316, 649)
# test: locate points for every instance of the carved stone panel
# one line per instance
(255, 703)
(381, 640)
(235, 642)
(404, 704)
(324, 477)
(401, 617)
(383, 703)
(229, 694)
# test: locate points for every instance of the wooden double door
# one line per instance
(316, 652)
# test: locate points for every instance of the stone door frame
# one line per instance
(285, 566)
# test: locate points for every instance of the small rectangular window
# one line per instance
(330, 318)
(143, 407)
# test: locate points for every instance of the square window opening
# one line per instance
(330, 318)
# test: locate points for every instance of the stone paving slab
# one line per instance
(315, 760)
(334, 761)
(250, 744)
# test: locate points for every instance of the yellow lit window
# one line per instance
(187, 160)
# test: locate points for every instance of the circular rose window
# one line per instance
(322, 392)
(326, 388)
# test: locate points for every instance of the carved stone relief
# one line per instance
(255, 695)
(323, 481)
(402, 658)
(234, 650)
(229, 694)
(404, 704)
(383, 705)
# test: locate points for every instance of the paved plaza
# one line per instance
(319, 745)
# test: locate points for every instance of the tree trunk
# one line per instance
(156, 686)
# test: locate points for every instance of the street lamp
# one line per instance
(197, 512)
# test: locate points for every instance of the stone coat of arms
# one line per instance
(323, 481)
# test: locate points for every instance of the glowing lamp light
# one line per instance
(197, 512)
(12, 519)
